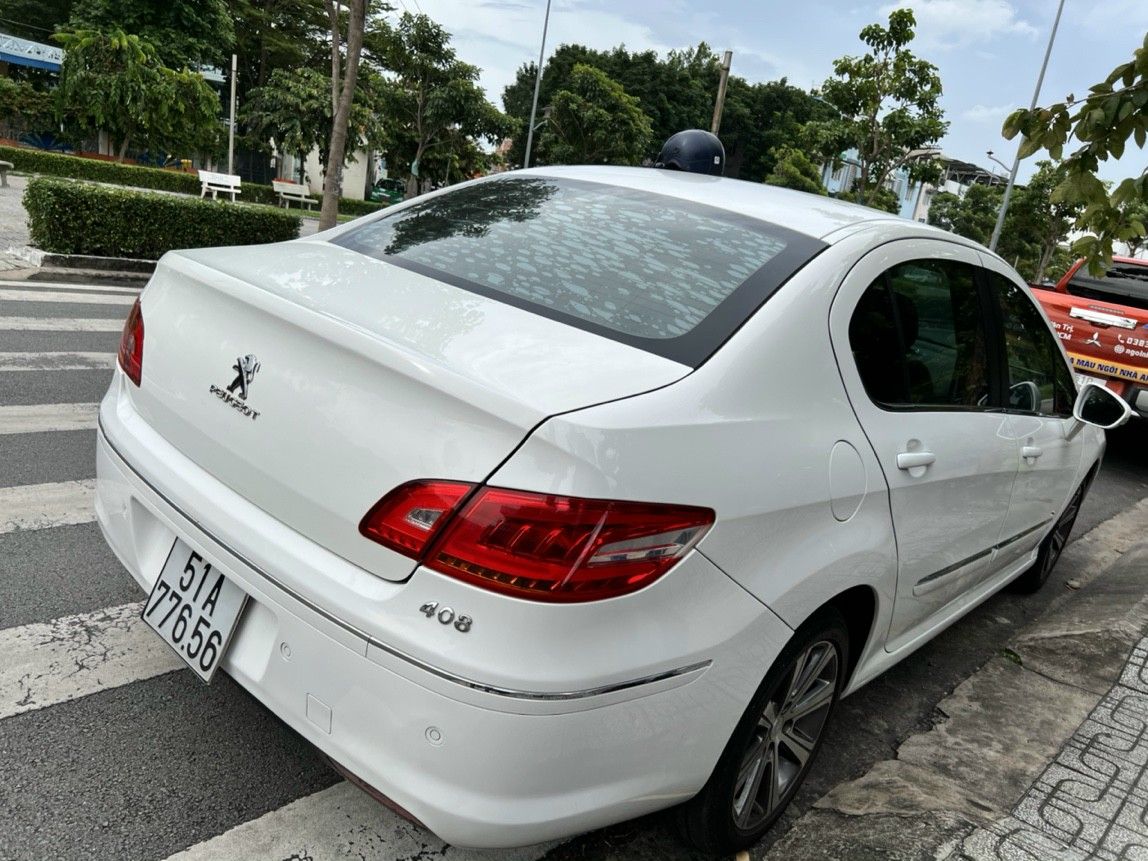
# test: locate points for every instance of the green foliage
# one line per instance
(1035, 226)
(876, 198)
(1134, 215)
(889, 109)
(294, 110)
(1114, 112)
(794, 169)
(115, 82)
(432, 98)
(358, 207)
(34, 19)
(57, 164)
(594, 121)
(973, 216)
(183, 32)
(677, 92)
(24, 106)
(81, 218)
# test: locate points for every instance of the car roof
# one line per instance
(814, 215)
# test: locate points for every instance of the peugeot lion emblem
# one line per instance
(245, 369)
(235, 395)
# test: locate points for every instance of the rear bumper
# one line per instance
(480, 763)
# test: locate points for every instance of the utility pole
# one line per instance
(537, 86)
(726, 62)
(231, 125)
(1016, 161)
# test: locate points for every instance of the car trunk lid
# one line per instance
(312, 380)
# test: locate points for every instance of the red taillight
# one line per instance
(539, 546)
(408, 517)
(131, 344)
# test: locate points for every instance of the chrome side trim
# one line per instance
(968, 560)
(472, 684)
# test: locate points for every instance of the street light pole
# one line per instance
(537, 87)
(1016, 161)
(231, 125)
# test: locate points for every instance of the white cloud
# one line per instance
(986, 114)
(948, 24)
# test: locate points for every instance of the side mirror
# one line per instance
(1100, 407)
(1024, 396)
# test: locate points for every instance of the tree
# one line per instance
(677, 92)
(24, 108)
(1134, 215)
(344, 74)
(34, 19)
(115, 82)
(182, 32)
(972, 215)
(794, 169)
(1114, 112)
(294, 110)
(594, 121)
(1040, 219)
(432, 100)
(888, 106)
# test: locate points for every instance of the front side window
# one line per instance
(919, 339)
(1039, 380)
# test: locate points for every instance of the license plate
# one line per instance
(194, 608)
(1082, 379)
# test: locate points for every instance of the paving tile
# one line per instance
(1013, 840)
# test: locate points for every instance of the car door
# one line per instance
(914, 345)
(1040, 393)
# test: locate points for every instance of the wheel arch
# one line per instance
(858, 606)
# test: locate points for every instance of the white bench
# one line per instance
(217, 182)
(289, 191)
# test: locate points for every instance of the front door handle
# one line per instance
(1031, 452)
(914, 459)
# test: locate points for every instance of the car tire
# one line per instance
(731, 813)
(1051, 547)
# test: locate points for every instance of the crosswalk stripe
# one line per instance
(41, 506)
(56, 361)
(58, 285)
(61, 324)
(37, 418)
(71, 296)
(334, 823)
(46, 663)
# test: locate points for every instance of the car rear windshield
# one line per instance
(666, 275)
(1125, 283)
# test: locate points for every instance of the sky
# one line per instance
(988, 51)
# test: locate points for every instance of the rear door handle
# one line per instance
(914, 459)
(1031, 451)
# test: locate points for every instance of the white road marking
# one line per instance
(61, 324)
(72, 296)
(37, 418)
(57, 361)
(41, 506)
(338, 822)
(46, 663)
(93, 288)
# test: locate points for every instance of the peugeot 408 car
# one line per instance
(562, 496)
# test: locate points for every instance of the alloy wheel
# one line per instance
(1058, 538)
(786, 735)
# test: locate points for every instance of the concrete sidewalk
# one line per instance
(1042, 754)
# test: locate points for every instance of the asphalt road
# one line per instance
(147, 762)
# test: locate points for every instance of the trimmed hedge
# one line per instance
(76, 167)
(358, 207)
(80, 218)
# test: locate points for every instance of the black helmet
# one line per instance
(694, 150)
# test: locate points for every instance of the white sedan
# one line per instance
(559, 497)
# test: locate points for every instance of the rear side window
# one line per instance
(664, 274)
(919, 339)
(1039, 380)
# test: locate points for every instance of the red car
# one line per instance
(1103, 323)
